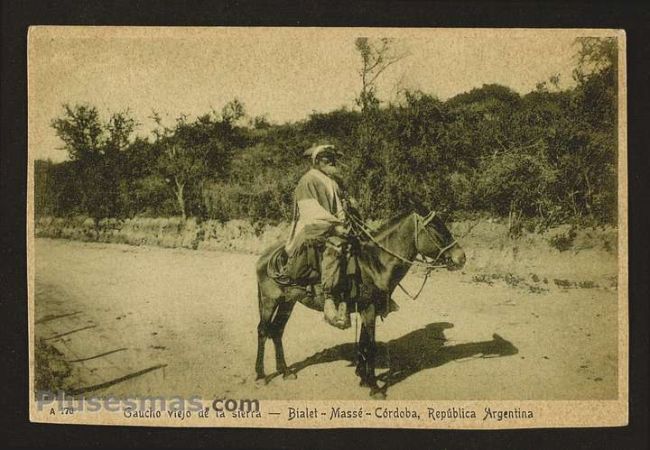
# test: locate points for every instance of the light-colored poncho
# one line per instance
(317, 208)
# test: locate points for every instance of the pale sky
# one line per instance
(284, 73)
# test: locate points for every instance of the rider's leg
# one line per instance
(331, 280)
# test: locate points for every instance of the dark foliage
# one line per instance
(548, 156)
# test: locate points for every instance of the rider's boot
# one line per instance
(342, 317)
(336, 316)
(329, 310)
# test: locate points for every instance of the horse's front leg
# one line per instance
(365, 356)
(367, 351)
(362, 352)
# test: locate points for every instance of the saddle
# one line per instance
(304, 266)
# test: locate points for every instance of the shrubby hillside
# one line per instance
(541, 159)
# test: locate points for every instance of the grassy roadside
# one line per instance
(51, 372)
(564, 256)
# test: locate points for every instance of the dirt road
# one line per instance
(169, 322)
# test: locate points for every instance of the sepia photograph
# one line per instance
(327, 227)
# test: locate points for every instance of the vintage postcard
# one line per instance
(328, 227)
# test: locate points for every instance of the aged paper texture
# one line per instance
(476, 229)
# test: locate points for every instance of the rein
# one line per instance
(429, 266)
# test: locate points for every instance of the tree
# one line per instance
(119, 129)
(377, 55)
(596, 106)
(95, 150)
(597, 78)
(81, 131)
(370, 156)
(193, 152)
(233, 111)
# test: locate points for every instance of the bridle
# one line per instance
(425, 221)
(420, 225)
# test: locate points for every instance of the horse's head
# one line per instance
(434, 240)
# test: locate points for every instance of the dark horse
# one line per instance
(384, 259)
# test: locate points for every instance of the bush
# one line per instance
(539, 159)
(563, 241)
(515, 182)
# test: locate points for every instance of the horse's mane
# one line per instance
(390, 224)
(370, 251)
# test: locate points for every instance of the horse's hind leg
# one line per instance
(267, 307)
(277, 330)
(261, 342)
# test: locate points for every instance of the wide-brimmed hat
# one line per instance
(321, 150)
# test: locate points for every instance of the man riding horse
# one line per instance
(356, 265)
(319, 220)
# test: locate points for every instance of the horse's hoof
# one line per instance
(364, 383)
(377, 393)
(261, 380)
(290, 376)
